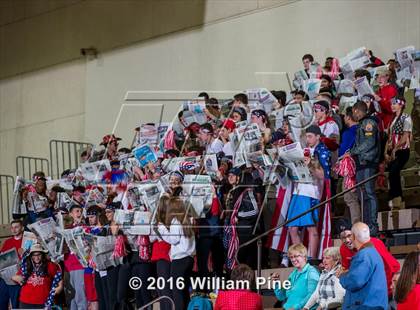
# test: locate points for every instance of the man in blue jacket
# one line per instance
(365, 282)
(348, 139)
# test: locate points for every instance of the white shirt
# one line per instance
(228, 149)
(215, 147)
(181, 246)
(330, 129)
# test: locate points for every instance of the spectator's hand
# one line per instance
(18, 279)
(307, 160)
(340, 271)
(114, 229)
(377, 98)
(275, 276)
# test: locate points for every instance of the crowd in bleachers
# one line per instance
(337, 127)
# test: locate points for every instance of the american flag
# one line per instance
(279, 239)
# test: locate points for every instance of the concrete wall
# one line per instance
(39, 33)
(43, 86)
(48, 91)
(232, 54)
(39, 106)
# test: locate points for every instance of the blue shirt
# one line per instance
(347, 140)
(365, 282)
(303, 284)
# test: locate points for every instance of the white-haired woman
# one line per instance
(329, 293)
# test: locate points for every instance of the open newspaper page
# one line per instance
(404, 56)
(101, 250)
(50, 237)
(210, 164)
(18, 206)
(197, 110)
(133, 222)
(75, 239)
(260, 98)
(94, 171)
(363, 87)
(148, 134)
(311, 87)
(9, 261)
(346, 102)
(299, 77)
(28, 239)
(245, 139)
(145, 154)
(354, 60)
(178, 163)
(197, 192)
(145, 194)
(37, 203)
(292, 157)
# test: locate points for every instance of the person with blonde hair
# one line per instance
(329, 293)
(303, 279)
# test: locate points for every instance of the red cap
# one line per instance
(229, 124)
(108, 139)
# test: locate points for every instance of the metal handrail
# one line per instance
(156, 300)
(309, 210)
(319, 205)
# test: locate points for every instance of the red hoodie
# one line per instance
(386, 93)
(390, 263)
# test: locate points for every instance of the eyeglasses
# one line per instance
(295, 256)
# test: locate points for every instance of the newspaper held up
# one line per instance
(9, 261)
(292, 156)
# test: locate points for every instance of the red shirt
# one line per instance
(386, 93)
(160, 250)
(390, 263)
(412, 302)
(36, 289)
(238, 300)
(12, 243)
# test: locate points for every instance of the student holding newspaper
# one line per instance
(223, 146)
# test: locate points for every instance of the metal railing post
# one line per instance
(259, 253)
(156, 300)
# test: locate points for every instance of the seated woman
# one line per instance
(240, 298)
(303, 280)
(407, 292)
(40, 280)
(329, 293)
